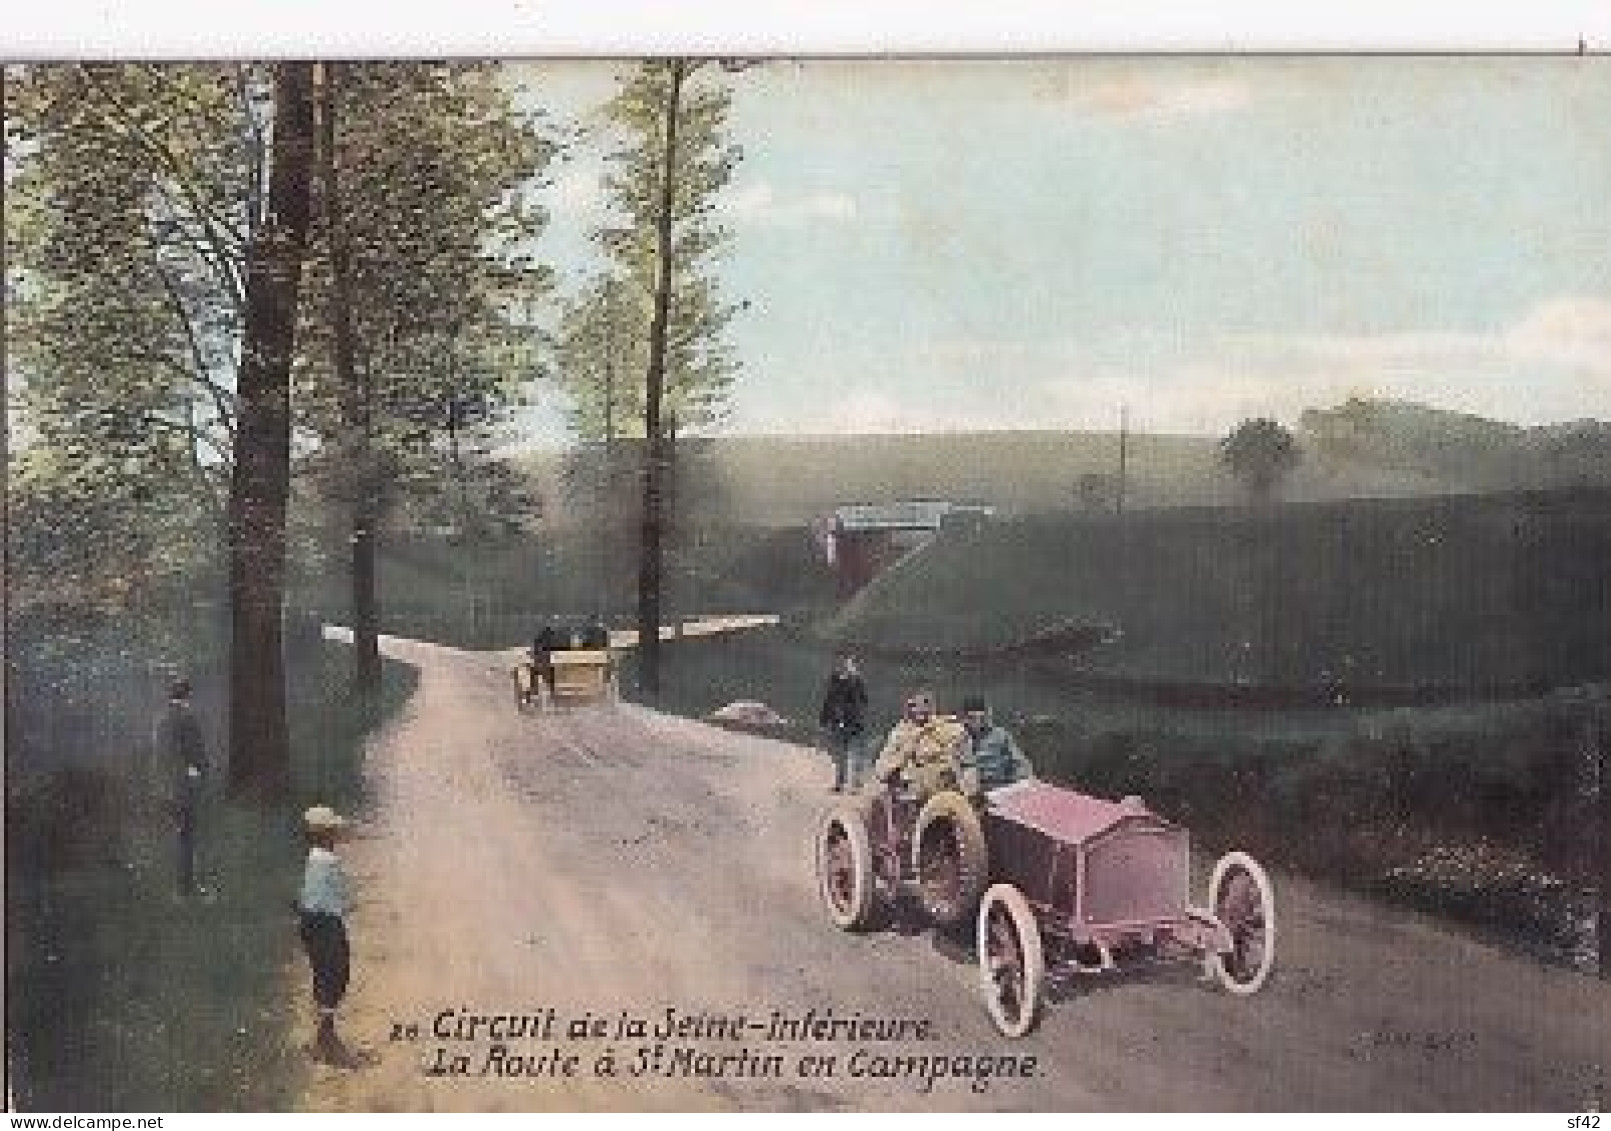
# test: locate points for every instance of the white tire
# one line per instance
(1012, 966)
(845, 868)
(1243, 900)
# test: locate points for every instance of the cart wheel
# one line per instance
(1240, 895)
(949, 858)
(845, 868)
(1011, 965)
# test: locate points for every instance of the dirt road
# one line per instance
(608, 862)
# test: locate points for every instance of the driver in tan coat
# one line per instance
(924, 751)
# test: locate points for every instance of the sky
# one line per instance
(1036, 242)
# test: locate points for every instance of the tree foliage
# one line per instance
(1261, 453)
(159, 282)
(606, 331)
(655, 310)
(137, 189)
(438, 217)
(134, 191)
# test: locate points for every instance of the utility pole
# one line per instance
(1124, 458)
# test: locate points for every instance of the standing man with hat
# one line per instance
(182, 769)
(322, 908)
(844, 718)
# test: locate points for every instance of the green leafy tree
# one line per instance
(159, 248)
(422, 334)
(600, 363)
(657, 307)
(1260, 453)
(136, 191)
(140, 193)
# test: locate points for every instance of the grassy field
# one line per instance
(1482, 812)
(122, 998)
(1480, 594)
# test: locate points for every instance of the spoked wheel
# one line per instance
(1240, 895)
(845, 868)
(1011, 964)
(948, 858)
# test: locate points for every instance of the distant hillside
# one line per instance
(786, 481)
(1478, 593)
(1469, 452)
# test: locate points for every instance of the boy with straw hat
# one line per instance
(322, 908)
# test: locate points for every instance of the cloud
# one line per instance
(1570, 332)
(875, 411)
(1551, 363)
(1154, 97)
(842, 412)
(757, 202)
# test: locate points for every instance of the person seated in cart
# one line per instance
(595, 635)
(925, 752)
(992, 752)
(547, 641)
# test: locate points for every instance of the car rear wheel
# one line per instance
(949, 858)
(1012, 966)
(1242, 899)
(845, 868)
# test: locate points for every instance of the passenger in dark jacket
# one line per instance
(844, 719)
(548, 640)
(992, 751)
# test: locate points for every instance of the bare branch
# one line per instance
(221, 396)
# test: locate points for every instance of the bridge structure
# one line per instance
(861, 540)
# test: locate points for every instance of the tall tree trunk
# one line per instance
(650, 549)
(671, 523)
(357, 408)
(259, 761)
(609, 511)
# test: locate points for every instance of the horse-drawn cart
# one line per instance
(571, 677)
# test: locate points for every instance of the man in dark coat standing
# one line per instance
(182, 772)
(844, 719)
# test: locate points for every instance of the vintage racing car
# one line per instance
(1077, 885)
